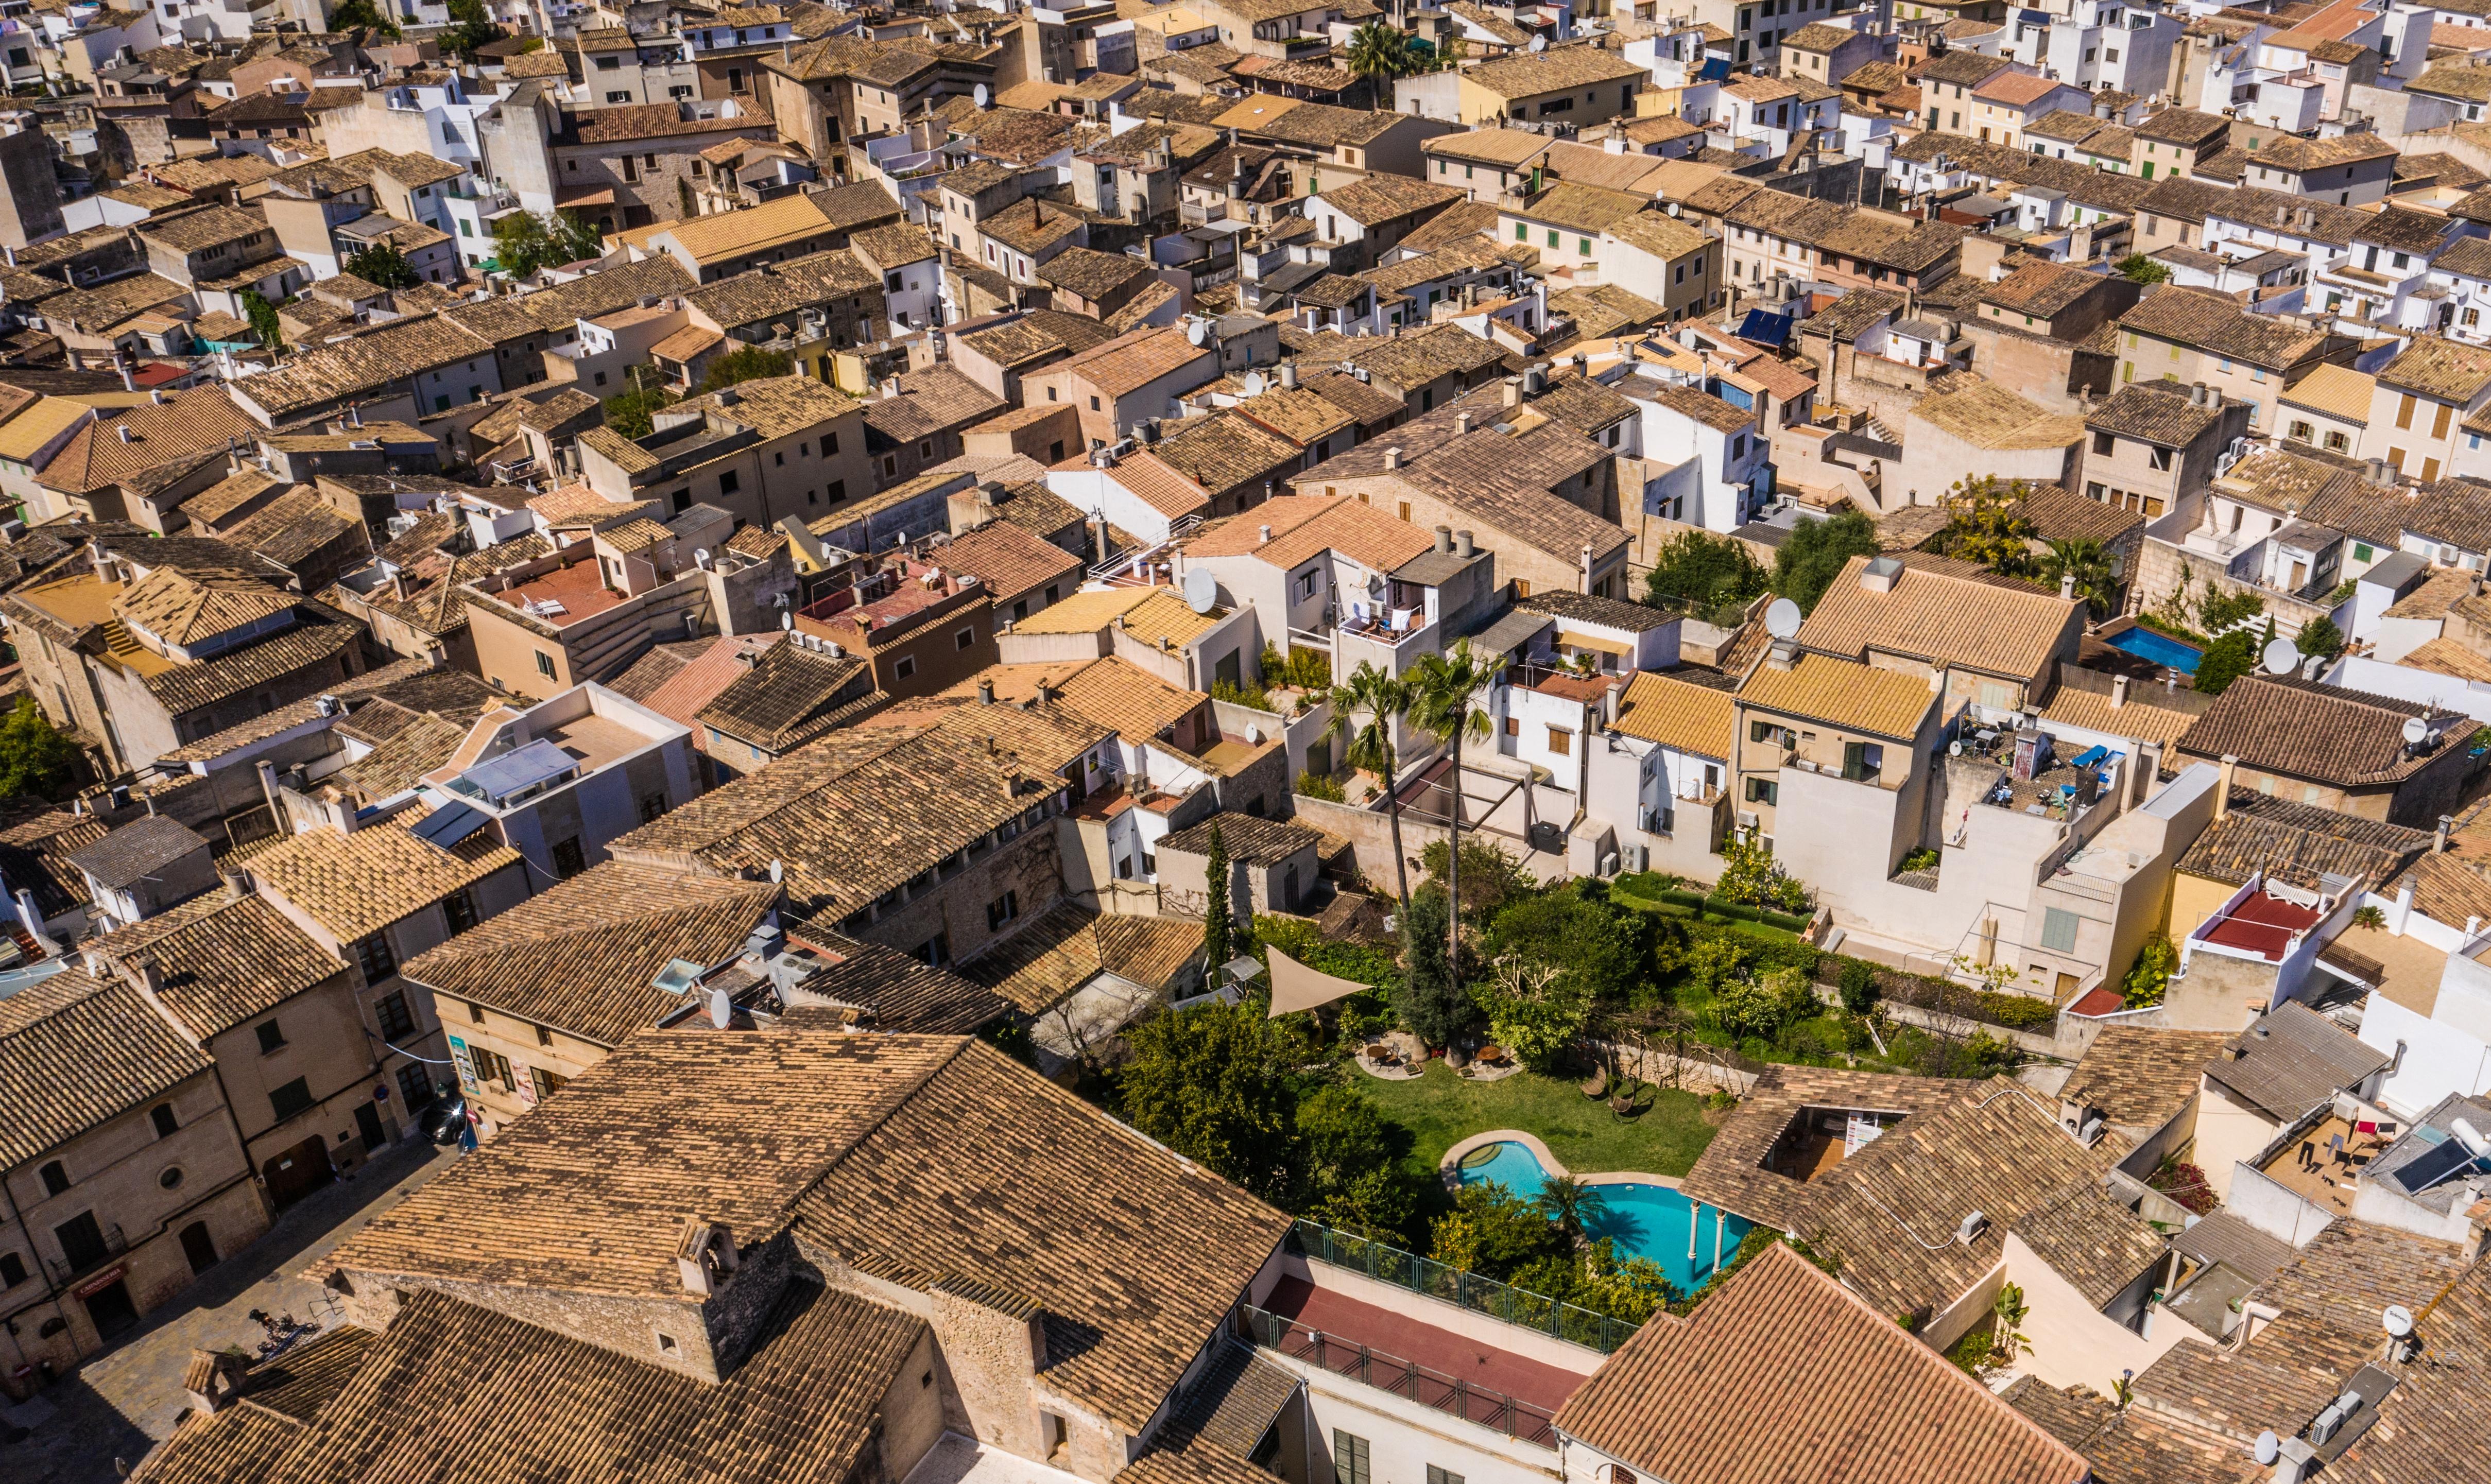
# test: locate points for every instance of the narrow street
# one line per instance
(120, 1404)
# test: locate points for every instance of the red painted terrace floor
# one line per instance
(1438, 1350)
(2263, 925)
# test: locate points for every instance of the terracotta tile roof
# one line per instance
(2096, 1245)
(1361, 400)
(1936, 618)
(2431, 1424)
(75, 1053)
(36, 842)
(1137, 357)
(898, 992)
(1371, 200)
(1012, 562)
(2337, 390)
(2298, 842)
(2447, 657)
(354, 885)
(1674, 714)
(1303, 526)
(2127, 1447)
(781, 289)
(2154, 411)
(309, 644)
(137, 849)
(982, 1169)
(1842, 692)
(196, 420)
(1299, 414)
(1554, 71)
(2140, 718)
(1248, 839)
(1225, 452)
(583, 956)
(362, 364)
(1069, 945)
(554, 1404)
(2139, 1077)
(2321, 733)
(183, 608)
(2216, 322)
(791, 695)
(223, 961)
(2290, 152)
(1988, 416)
(2331, 1298)
(1036, 334)
(1089, 272)
(1705, 1397)
(2434, 367)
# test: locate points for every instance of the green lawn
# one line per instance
(1439, 1110)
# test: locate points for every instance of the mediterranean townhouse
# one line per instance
(125, 1175)
(759, 450)
(1946, 84)
(1537, 499)
(2423, 400)
(726, 244)
(933, 839)
(374, 898)
(824, 92)
(1994, 650)
(2190, 336)
(806, 307)
(1579, 85)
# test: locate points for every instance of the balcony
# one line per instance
(1340, 1355)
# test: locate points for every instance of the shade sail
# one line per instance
(1297, 988)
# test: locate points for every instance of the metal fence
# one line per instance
(1450, 1395)
(1481, 1295)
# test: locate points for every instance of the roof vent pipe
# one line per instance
(1444, 539)
(1462, 544)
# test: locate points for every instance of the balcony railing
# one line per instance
(1372, 1367)
(1481, 1295)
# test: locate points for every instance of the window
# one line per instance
(1763, 791)
(475, 1013)
(727, 484)
(2104, 443)
(2303, 431)
(1436, 1475)
(55, 1178)
(1094, 404)
(1002, 909)
(2158, 458)
(544, 665)
(397, 1022)
(81, 1240)
(172, 1178)
(569, 860)
(1560, 741)
(290, 1099)
(415, 1089)
(373, 956)
(13, 1268)
(459, 907)
(2058, 930)
(270, 1039)
(491, 1066)
(548, 1083)
(965, 637)
(1349, 1462)
(652, 806)
(166, 1124)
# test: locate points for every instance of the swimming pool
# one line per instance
(2145, 644)
(1645, 1221)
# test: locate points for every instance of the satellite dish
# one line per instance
(1201, 590)
(1252, 383)
(1196, 330)
(2282, 657)
(2398, 1319)
(2269, 1447)
(1539, 43)
(1781, 620)
(982, 95)
(2417, 731)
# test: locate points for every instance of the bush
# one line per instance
(2319, 636)
(2226, 660)
(2219, 611)
(1752, 877)
(1812, 555)
(1701, 570)
(1315, 785)
(2016, 1013)
(1761, 1006)
(1920, 860)
(1859, 985)
(2151, 975)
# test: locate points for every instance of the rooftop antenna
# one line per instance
(1782, 618)
(1201, 590)
(2282, 657)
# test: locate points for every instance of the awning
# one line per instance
(1590, 642)
(1297, 988)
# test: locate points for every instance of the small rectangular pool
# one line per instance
(2145, 644)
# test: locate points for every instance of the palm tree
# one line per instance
(1445, 685)
(1379, 51)
(1383, 701)
(2091, 565)
(1566, 1201)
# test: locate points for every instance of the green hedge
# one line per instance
(2012, 1012)
(2016, 1013)
(1647, 886)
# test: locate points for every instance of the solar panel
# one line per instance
(2432, 1166)
(448, 826)
(538, 763)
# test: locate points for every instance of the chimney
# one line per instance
(127, 436)
(1262, 533)
(1289, 377)
(1392, 458)
(2378, 470)
(2118, 691)
(2067, 587)
(212, 1379)
(985, 692)
(237, 886)
(2439, 836)
(2223, 785)
(1444, 538)
(1462, 544)
(1461, 424)
(121, 364)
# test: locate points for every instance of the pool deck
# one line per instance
(1451, 1164)
(1406, 1338)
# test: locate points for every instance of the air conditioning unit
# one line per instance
(1971, 1227)
(1638, 858)
(1748, 821)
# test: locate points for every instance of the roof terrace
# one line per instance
(2260, 925)
(563, 596)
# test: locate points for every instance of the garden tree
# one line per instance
(2137, 268)
(1492, 1232)
(1440, 702)
(1535, 1011)
(384, 265)
(2009, 1310)
(2089, 562)
(1760, 1005)
(1751, 875)
(1807, 563)
(1220, 1084)
(1982, 526)
(1430, 1002)
(2149, 975)
(360, 16)
(1490, 878)
(2225, 660)
(748, 363)
(2319, 636)
(1634, 1288)
(263, 320)
(1383, 701)
(1601, 952)
(472, 28)
(1216, 909)
(1352, 1172)
(35, 759)
(1701, 570)
(524, 241)
(2218, 610)
(1380, 52)
(630, 411)
(1859, 985)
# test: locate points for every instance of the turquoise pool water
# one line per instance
(1645, 1221)
(2146, 644)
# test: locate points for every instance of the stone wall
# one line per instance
(1369, 832)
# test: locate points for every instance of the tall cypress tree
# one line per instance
(1216, 924)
